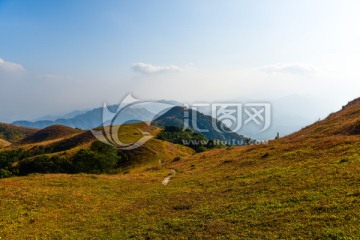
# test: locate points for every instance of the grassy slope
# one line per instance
(12, 133)
(50, 133)
(65, 142)
(4, 143)
(305, 186)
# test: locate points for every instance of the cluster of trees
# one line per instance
(7, 160)
(186, 137)
(100, 158)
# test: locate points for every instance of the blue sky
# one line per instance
(58, 56)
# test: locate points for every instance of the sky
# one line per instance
(64, 55)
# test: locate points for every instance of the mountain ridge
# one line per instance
(12, 133)
(90, 119)
(175, 117)
(49, 133)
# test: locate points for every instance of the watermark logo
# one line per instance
(229, 142)
(228, 117)
(225, 118)
(229, 114)
(259, 113)
(113, 120)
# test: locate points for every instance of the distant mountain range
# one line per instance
(91, 119)
(143, 112)
(167, 117)
(65, 116)
(289, 114)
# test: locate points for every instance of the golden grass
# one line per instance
(305, 186)
(50, 133)
(13, 133)
(299, 190)
(4, 143)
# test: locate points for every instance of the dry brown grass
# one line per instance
(4, 143)
(305, 186)
(12, 133)
(50, 133)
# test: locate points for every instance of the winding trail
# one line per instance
(168, 178)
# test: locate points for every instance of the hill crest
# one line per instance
(50, 133)
(344, 122)
(175, 117)
(12, 133)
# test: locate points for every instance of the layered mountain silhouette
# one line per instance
(92, 119)
(175, 117)
(289, 114)
(142, 112)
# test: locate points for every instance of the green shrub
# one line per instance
(102, 158)
(5, 173)
(45, 164)
(187, 137)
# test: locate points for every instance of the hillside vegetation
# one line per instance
(304, 186)
(12, 133)
(49, 133)
(176, 117)
(60, 149)
(4, 143)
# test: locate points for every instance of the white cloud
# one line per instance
(289, 68)
(9, 67)
(145, 68)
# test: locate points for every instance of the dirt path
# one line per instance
(168, 178)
